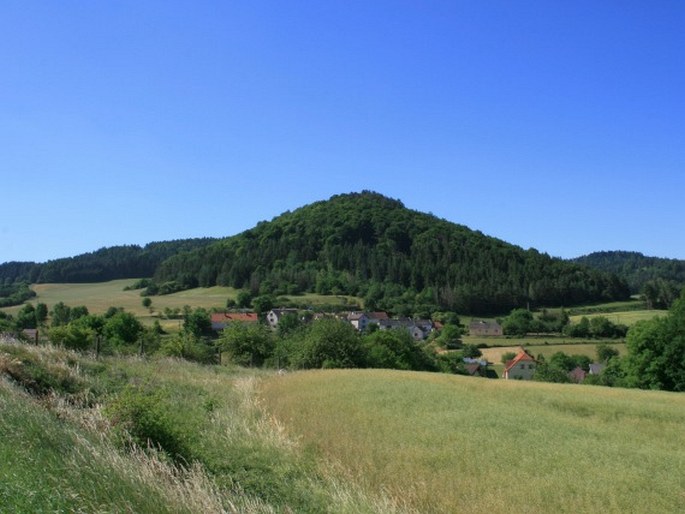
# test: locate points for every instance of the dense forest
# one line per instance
(636, 269)
(112, 263)
(371, 246)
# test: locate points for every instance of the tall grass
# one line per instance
(456, 444)
(62, 448)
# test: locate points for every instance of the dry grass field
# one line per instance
(444, 443)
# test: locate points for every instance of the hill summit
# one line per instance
(397, 259)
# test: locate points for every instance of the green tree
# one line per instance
(188, 346)
(41, 313)
(263, 304)
(518, 322)
(197, 322)
(288, 323)
(605, 352)
(78, 312)
(26, 317)
(60, 315)
(147, 302)
(471, 351)
(329, 343)
(123, 328)
(244, 299)
(247, 344)
(450, 337)
(72, 336)
(395, 349)
(656, 351)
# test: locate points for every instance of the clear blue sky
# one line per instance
(554, 125)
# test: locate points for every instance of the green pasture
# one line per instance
(627, 318)
(98, 297)
(439, 443)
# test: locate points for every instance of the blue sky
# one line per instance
(554, 125)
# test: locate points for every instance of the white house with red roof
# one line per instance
(521, 367)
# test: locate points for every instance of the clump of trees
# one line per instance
(521, 322)
(655, 358)
(15, 294)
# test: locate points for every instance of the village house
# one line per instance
(521, 367)
(596, 368)
(419, 329)
(476, 367)
(359, 320)
(485, 328)
(362, 320)
(221, 319)
(275, 315)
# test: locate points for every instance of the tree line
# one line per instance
(116, 262)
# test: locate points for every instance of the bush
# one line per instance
(142, 415)
(189, 347)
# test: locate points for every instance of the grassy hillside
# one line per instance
(456, 444)
(207, 445)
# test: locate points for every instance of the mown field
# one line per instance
(443, 443)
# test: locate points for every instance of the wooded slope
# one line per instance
(369, 245)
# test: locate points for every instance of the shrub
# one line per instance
(142, 415)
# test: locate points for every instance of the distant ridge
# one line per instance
(635, 268)
(129, 261)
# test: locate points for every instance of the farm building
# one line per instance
(485, 328)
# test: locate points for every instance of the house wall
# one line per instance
(523, 370)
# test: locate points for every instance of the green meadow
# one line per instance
(623, 317)
(438, 443)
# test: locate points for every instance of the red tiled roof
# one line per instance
(378, 315)
(522, 356)
(227, 317)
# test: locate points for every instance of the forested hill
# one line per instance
(368, 245)
(111, 263)
(635, 268)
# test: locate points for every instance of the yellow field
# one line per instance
(441, 443)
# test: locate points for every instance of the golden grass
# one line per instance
(456, 444)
